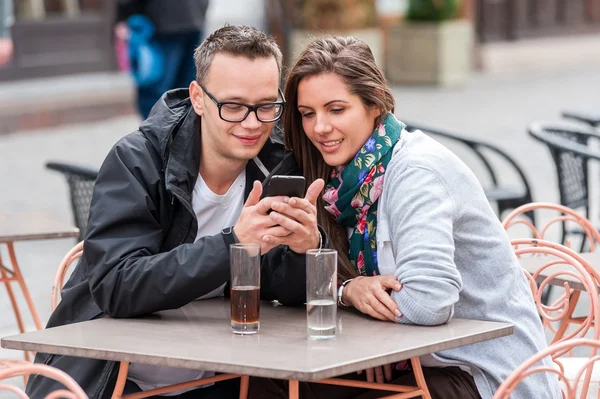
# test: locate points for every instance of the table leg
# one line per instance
(244, 382)
(21, 281)
(294, 389)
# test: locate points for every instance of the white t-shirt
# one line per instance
(214, 213)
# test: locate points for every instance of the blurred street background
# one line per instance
(64, 98)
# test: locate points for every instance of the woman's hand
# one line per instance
(299, 216)
(370, 296)
(379, 374)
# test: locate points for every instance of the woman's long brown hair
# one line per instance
(351, 60)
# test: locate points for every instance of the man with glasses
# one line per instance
(172, 196)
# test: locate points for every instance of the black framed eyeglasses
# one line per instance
(237, 112)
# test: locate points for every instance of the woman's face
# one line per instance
(335, 120)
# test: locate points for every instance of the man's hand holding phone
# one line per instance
(299, 217)
(254, 222)
(280, 220)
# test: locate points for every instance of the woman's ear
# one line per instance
(197, 97)
(375, 112)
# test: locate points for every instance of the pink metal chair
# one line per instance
(573, 266)
(72, 391)
(567, 215)
(8, 276)
(74, 254)
(561, 310)
(572, 388)
(59, 279)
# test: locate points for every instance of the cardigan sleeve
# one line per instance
(421, 215)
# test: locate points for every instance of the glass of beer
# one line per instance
(321, 293)
(245, 288)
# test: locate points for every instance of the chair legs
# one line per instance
(7, 276)
(294, 389)
(419, 377)
(121, 380)
(19, 278)
(244, 383)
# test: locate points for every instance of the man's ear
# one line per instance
(197, 97)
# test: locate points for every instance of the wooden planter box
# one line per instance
(430, 53)
(372, 36)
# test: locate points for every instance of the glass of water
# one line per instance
(321, 293)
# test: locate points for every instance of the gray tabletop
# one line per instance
(531, 264)
(198, 336)
(33, 226)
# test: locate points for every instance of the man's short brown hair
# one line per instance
(236, 40)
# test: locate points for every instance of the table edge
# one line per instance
(318, 374)
(40, 236)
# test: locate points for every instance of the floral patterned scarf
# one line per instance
(352, 192)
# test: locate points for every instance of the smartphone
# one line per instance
(287, 186)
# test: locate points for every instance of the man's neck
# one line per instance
(217, 172)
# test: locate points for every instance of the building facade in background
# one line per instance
(61, 37)
(517, 19)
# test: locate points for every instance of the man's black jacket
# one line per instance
(139, 253)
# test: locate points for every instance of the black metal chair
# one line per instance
(81, 185)
(570, 150)
(505, 197)
(592, 119)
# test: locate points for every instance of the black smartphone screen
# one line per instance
(289, 186)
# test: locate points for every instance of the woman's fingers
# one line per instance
(381, 308)
(368, 309)
(388, 302)
(390, 282)
(378, 374)
(370, 375)
(379, 378)
(387, 370)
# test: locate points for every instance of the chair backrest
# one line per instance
(577, 268)
(63, 267)
(72, 391)
(590, 118)
(81, 186)
(570, 387)
(505, 197)
(561, 311)
(568, 146)
(567, 215)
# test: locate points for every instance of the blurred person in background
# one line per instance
(6, 20)
(162, 37)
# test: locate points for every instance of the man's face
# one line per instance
(240, 80)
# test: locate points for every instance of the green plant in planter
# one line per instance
(432, 10)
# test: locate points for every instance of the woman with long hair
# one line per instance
(418, 242)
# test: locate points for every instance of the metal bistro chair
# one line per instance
(571, 388)
(506, 197)
(592, 119)
(569, 265)
(72, 391)
(569, 147)
(81, 182)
